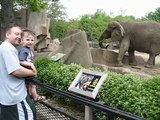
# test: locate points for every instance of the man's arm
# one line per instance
(24, 72)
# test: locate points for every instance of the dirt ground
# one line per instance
(141, 69)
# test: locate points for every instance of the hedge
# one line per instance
(123, 91)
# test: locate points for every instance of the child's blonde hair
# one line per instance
(27, 31)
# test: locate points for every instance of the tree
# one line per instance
(154, 15)
(57, 14)
(94, 24)
(59, 29)
(125, 18)
(56, 11)
(7, 11)
(7, 16)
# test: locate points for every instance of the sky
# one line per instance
(137, 8)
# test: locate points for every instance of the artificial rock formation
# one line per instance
(76, 49)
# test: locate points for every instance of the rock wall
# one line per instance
(76, 50)
(39, 23)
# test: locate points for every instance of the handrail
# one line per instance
(91, 103)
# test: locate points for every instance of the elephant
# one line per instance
(134, 36)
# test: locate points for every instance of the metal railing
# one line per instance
(111, 112)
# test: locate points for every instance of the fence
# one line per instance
(111, 113)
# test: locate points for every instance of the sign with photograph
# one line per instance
(88, 82)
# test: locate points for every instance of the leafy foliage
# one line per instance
(125, 18)
(33, 5)
(56, 11)
(126, 92)
(154, 15)
(55, 73)
(61, 28)
(132, 94)
(58, 29)
(93, 25)
(57, 14)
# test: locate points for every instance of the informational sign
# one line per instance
(57, 56)
(88, 82)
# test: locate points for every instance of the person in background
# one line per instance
(26, 57)
(15, 104)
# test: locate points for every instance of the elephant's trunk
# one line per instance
(119, 27)
(106, 34)
(101, 42)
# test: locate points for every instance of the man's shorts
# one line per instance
(25, 110)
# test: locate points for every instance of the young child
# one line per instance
(26, 60)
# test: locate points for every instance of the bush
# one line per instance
(126, 92)
(132, 94)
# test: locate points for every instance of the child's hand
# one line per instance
(33, 68)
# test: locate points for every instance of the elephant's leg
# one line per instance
(151, 60)
(123, 48)
(154, 61)
(132, 58)
(120, 57)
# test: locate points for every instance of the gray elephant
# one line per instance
(134, 36)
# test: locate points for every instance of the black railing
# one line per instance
(112, 112)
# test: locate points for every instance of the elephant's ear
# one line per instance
(119, 27)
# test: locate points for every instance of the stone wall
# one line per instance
(76, 49)
(39, 23)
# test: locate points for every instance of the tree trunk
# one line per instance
(7, 16)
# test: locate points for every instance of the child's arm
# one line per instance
(28, 64)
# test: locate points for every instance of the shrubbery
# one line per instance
(126, 92)
(132, 94)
